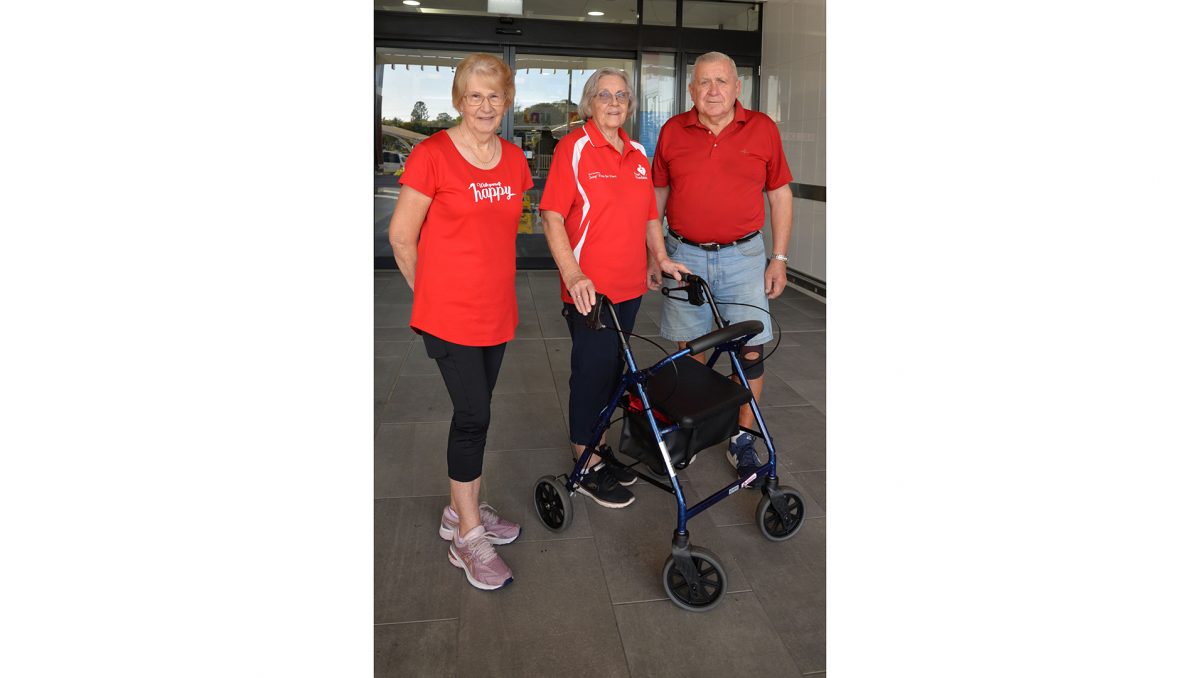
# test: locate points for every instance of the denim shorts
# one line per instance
(735, 275)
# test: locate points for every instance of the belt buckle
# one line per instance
(711, 246)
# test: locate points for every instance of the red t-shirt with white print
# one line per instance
(465, 287)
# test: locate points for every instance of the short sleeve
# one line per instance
(527, 182)
(653, 213)
(420, 170)
(659, 174)
(778, 172)
(559, 193)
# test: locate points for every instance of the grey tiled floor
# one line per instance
(588, 598)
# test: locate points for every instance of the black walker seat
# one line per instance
(674, 409)
(702, 402)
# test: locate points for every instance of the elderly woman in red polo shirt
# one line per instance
(601, 222)
(461, 193)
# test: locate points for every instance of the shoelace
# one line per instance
(605, 479)
(481, 549)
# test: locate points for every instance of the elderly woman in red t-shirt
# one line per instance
(602, 225)
(461, 193)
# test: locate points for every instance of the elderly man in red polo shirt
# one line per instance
(710, 169)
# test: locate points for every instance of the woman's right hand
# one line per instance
(582, 292)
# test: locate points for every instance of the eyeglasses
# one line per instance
(606, 96)
(476, 99)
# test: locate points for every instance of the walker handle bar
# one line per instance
(746, 328)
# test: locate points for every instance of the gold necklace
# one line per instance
(492, 145)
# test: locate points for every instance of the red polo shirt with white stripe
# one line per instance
(606, 198)
(465, 287)
(717, 181)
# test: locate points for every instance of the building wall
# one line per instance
(793, 94)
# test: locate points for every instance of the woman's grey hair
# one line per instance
(592, 86)
(712, 56)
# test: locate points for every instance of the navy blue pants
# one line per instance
(596, 366)
(470, 373)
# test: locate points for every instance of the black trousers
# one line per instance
(470, 373)
(596, 366)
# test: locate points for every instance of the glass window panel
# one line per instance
(545, 110)
(745, 76)
(412, 101)
(659, 12)
(595, 11)
(657, 97)
(730, 16)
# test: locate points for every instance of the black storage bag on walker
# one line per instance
(703, 402)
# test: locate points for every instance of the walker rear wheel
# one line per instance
(778, 526)
(705, 592)
(553, 503)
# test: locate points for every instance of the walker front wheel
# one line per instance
(705, 591)
(553, 503)
(779, 525)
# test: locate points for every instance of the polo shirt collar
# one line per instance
(693, 117)
(596, 138)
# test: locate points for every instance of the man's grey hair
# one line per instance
(713, 56)
(592, 86)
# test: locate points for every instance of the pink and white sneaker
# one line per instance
(496, 529)
(476, 557)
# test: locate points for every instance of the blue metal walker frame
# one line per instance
(634, 380)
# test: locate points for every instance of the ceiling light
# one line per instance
(595, 13)
(412, 3)
(504, 6)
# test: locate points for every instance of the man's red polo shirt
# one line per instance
(717, 181)
(605, 198)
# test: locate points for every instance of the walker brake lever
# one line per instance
(691, 286)
(592, 319)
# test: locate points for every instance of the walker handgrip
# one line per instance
(746, 328)
(593, 319)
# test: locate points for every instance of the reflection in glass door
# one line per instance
(657, 96)
(548, 89)
(412, 101)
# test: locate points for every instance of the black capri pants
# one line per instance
(596, 366)
(470, 373)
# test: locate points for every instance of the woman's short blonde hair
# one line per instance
(487, 66)
(592, 86)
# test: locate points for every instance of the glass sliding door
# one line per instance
(657, 97)
(546, 109)
(412, 101)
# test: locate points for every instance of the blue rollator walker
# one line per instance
(673, 409)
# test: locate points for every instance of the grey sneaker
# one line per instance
(601, 485)
(478, 559)
(741, 455)
(496, 529)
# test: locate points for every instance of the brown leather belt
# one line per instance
(711, 246)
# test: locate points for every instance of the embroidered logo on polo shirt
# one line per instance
(601, 175)
(641, 172)
(493, 191)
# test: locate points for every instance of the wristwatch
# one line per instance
(780, 257)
